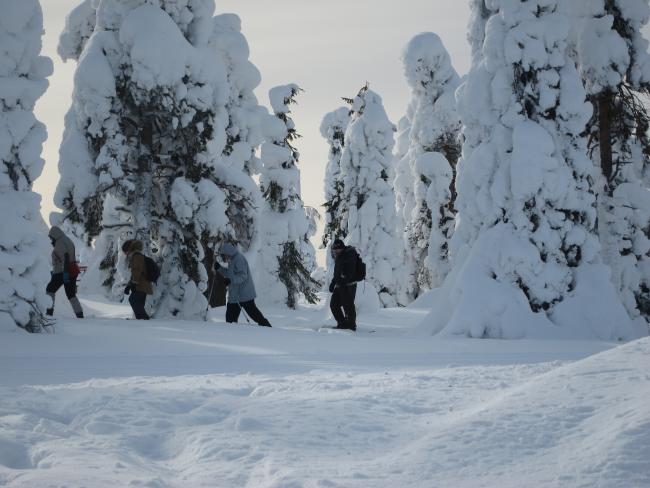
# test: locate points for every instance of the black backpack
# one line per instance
(152, 270)
(360, 270)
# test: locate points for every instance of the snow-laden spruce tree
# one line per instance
(148, 128)
(286, 256)
(24, 248)
(427, 168)
(79, 25)
(243, 136)
(480, 11)
(615, 66)
(404, 199)
(333, 129)
(525, 250)
(367, 175)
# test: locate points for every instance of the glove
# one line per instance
(66, 277)
(128, 289)
(227, 281)
(217, 266)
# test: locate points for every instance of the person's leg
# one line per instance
(53, 286)
(232, 313)
(349, 308)
(335, 307)
(254, 313)
(137, 301)
(71, 293)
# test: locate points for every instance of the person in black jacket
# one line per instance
(344, 286)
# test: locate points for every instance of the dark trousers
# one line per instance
(342, 305)
(137, 301)
(233, 310)
(57, 282)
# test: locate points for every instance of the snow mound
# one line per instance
(481, 425)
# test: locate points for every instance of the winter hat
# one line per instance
(338, 244)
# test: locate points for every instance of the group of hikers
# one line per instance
(236, 275)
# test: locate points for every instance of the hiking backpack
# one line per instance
(360, 269)
(151, 269)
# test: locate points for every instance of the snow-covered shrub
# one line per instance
(367, 175)
(164, 123)
(24, 248)
(286, 257)
(612, 56)
(433, 128)
(525, 252)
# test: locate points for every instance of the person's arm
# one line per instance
(239, 271)
(137, 268)
(348, 268)
(220, 269)
(336, 276)
(55, 259)
(66, 268)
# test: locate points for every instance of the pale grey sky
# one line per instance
(330, 48)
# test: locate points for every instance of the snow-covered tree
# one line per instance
(286, 256)
(243, 136)
(479, 15)
(333, 129)
(154, 127)
(615, 66)
(525, 251)
(367, 175)
(24, 248)
(426, 169)
(79, 25)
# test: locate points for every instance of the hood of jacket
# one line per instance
(56, 233)
(135, 246)
(228, 249)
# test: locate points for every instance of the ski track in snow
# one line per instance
(106, 402)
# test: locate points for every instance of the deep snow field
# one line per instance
(111, 402)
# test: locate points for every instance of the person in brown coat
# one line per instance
(139, 286)
(63, 255)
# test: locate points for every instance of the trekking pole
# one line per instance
(207, 309)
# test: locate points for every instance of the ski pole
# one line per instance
(207, 309)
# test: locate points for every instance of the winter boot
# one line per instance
(49, 311)
(266, 323)
(76, 306)
(346, 326)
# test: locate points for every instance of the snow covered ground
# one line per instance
(110, 402)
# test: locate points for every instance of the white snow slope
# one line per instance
(109, 402)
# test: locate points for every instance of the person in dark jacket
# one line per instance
(344, 286)
(63, 255)
(139, 285)
(241, 289)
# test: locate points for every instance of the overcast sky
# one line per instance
(330, 48)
